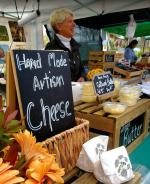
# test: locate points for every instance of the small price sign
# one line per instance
(103, 83)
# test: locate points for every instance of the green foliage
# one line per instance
(8, 126)
(138, 53)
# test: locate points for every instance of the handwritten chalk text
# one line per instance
(54, 113)
(28, 63)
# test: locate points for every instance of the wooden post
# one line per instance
(11, 99)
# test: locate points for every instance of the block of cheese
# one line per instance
(88, 98)
(88, 89)
(88, 94)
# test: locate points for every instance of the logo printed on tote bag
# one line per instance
(100, 148)
(122, 165)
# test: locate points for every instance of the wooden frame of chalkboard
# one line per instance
(44, 93)
(11, 94)
(103, 85)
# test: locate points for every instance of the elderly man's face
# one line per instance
(66, 28)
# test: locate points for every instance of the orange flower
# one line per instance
(8, 176)
(41, 170)
(29, 147)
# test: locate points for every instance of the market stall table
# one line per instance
(128, 128)
(77, 176)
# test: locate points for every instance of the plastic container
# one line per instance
(114, 107)
(77, 91)
(129, 95)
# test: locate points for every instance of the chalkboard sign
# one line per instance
(103, 83)
(131, 131)
(43, 83)
(109, 70)
(109, 58)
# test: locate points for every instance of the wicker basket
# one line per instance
(67, 145)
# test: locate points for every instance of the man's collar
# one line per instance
(63, 38)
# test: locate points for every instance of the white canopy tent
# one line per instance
(82, 8)
(19, 9)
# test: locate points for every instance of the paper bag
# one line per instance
(116, 165)
(99, 173)
(91, 151)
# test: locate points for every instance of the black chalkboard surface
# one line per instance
(103, 83)
(109, 58)
(43, 83)
(131, 131)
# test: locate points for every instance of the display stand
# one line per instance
(11, 93)
(77, 176)
(102, 59)
(128, 74)
(118, 127)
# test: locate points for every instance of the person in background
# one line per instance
(129, 54)
(63, 25)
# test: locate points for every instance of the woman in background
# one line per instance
(129, 54)
(62, 22)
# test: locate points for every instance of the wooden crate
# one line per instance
(144, 63)
(101, 59)
(77, 176)
(96, 56)
(109, 56)
(119, 56)
(145, 59)
(108, 60)
(95, 59)
(128, 74)
(95, 64)
(68, 144)
(128, 128)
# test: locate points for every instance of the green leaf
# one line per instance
(20, 162)
(14, 130)
(13, 123)
(5, 139)
(2, 130)
(2, 145)
(1, 118)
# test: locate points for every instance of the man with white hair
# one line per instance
(62, 22)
